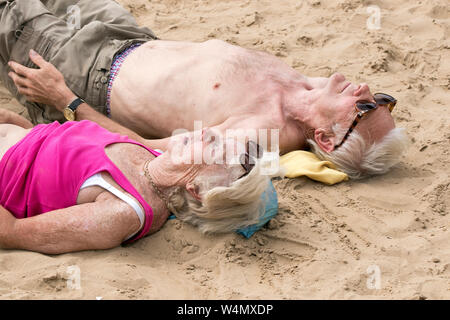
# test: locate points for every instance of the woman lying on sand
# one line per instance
(99, 189)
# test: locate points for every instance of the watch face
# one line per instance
(69, 114)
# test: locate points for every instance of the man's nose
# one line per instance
(337, 77)
(364, 87)
(334, 81)
(364, 92)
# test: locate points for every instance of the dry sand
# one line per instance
(326, 242)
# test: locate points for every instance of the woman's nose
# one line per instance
(205, 133)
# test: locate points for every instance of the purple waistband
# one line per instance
(115, 67)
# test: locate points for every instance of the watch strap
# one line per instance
(75, 103)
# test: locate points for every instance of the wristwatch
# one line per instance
(69, 111)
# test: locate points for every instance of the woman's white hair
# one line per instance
(223, 209)
(360, 159)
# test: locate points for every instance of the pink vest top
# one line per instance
(45, 170)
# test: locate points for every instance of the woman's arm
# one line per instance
(7, 116)
(7, 224)
(102, 224)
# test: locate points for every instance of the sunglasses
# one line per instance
(381, 99)
(247, 159)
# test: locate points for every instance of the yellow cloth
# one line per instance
(304, 163)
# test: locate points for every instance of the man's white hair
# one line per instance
(223, 209)
(360, 159)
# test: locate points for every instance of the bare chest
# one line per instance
(161, 89)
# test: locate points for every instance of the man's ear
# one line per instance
(324, 140)
(194, 190)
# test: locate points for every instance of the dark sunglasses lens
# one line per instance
(254, 149)
(383, 99)
(365, 105)
(246, 162)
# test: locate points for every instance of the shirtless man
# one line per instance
(163, 86)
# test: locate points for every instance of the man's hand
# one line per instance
(45, 85)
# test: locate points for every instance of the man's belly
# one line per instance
(163, 86)
(9, 135)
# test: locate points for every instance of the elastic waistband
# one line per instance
(114, 71)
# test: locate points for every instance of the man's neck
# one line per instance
(298, 109)
(299, 104)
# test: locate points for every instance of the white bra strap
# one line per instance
(97, 180)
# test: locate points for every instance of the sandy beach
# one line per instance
(386, 237)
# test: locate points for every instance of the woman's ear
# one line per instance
(194, 190)
(324, 140)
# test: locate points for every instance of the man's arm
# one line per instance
(46, 85)
(97, 225)
(86, 112)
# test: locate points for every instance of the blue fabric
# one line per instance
(271, 209)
